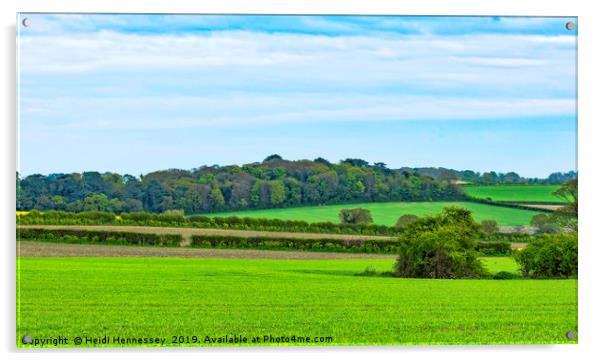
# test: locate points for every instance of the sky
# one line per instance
(138, 93)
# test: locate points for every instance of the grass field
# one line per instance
(514, 192)
(387, 213)
(166, 297)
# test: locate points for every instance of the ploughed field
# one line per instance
(195, 298)
(515, 192)
(387, 213)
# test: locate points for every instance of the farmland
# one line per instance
(514, 192)
(387, 213)
(165, 297)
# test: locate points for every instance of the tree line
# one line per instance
(272, 183)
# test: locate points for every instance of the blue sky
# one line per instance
(137, 93)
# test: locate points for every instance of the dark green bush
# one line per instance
(494, 248)
(442, 246)
(551, 256)
(505, 275)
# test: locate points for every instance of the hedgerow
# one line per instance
(98, 237)
(319, 245)
(199, 221)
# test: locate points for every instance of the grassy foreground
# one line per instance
(387, 213)
(515, 192)
(162, 298)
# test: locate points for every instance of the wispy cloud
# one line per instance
(96, 74)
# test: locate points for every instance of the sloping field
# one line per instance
(514, 192)
(387, 213)
(195, 298)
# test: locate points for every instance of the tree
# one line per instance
(96, 202)
(552, 256)
(272, 157)
(489, 226)
(217, 198)
(277, 193)
(355, 216)
(441, 246)
(539, 220)
(567, 216)
(404, 220)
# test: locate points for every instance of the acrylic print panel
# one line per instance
(219, 180)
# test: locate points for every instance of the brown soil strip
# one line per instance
(47, 249)
(551, 207)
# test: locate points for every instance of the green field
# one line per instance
(165, 297)
(387, 213)
(514, 193)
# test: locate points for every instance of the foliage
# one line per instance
(494, 248)
(539, 220)
(551, 256)
(275, 182)
(175, 219)
(567, 216)
(489, 226)
(355, 216)
(101, 237)
(441, 246)
(505, 275)
(404, 220)
(313, 244)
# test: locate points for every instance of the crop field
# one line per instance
(515, 193)
(387, 213)
(195, 298)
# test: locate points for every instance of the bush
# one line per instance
(505, 275)
(404, 220)
(495, 248)
(551, 256)
(489, 226)
(442, 246)
(357, 216)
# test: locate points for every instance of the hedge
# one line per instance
(511, 237)
(495, 248)
(98, 237)
(515, 205)
(318, 245)
(200, 221)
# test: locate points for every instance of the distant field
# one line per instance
(514, 193)
(153, 297)
(387, 213)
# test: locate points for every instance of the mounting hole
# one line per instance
(570, 25)
(26, 22)
(570, 335)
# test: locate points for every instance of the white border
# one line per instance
(590, 117)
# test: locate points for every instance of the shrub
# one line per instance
(357, 216)
(550, 256)
(495, 248)
(441, 246)
(539, 220)
(505, 275)
(489, 226)
(404, 220)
